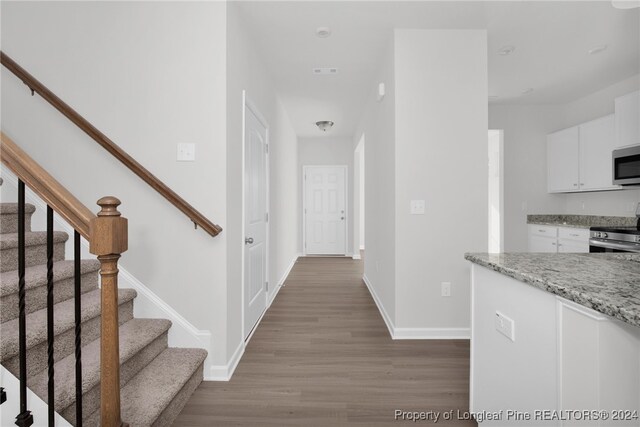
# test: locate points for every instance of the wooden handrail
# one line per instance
(46, 186)
(198, 218)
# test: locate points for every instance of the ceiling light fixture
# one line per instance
(325, 71)
(324, 125)
(527, 91)
(506, 50)
(597, 49)
(323, 32)
(625, 4)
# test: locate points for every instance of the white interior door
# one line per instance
(325, 210)
(255, 220)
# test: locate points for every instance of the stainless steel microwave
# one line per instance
(626, 166)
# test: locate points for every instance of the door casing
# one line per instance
(346, 206)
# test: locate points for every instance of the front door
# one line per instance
(255, 220)
(325, 210)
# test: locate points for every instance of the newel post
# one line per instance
(108, 240)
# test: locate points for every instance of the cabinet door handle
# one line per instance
(553, 243)
(542, 231)
(574, 235)
(575, 185)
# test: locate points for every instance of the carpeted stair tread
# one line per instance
(150, 392)
(36, 275)
(12, 208)
(63, 320)
(134, 336)
(31, 238)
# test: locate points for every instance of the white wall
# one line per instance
(246, 71)
(378, 125)
(149, 75)
(327, 150)
(525, 129)
(441, 157)
(525, 166)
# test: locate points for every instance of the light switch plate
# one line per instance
(186, 152)
(417, 207)
(505, 326)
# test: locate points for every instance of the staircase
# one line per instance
(155, 380)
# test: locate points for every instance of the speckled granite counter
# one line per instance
(581, 221)
(607, 283)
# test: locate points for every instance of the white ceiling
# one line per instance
(551, 40)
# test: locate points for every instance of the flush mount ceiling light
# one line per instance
(527, 91)
(597, 49)
(506, 50)
(323, 32)
(324, 125)
(625, 4)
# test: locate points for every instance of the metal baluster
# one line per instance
(24, 419)
(77, 295)
(51, 399)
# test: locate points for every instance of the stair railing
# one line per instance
(198, 219)
(106, 233)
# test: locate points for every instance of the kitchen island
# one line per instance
(556, 333)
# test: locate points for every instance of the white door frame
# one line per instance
(248, 104)
(346, 206)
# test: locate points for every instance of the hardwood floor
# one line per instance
(322, 356)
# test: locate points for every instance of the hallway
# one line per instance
(322, 356)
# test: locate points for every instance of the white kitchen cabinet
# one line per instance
(597, 142)
(563, 149)
(627, 112)
(551, 239)
(579, 158)
(598, 366)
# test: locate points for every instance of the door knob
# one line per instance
(342, 218)
(248, 240)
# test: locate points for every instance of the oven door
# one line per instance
(599, 245)
(626, 166)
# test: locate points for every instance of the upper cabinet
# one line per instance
(563, 149)
(579, 158)
(627, 112)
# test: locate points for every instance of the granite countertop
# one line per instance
(581, 221)
(608, 283)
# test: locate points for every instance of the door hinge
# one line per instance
(266, 217)
(266, 286)
(305, 176)
(266, 148)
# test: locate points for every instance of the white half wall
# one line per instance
(326, 150)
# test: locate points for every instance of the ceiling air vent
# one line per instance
(325, 71)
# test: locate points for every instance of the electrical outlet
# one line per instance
(417, 207)
(505, 326)
(446, 289)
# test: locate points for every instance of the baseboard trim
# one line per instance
(415, 333)
(381, 309)
(283, 279)
(431, 334)
(356, 256)
(147, 304)
(225, 372)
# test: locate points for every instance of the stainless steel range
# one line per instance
(616, 239)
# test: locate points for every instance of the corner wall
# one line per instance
(441, 141)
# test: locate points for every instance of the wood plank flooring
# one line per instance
(322, 356)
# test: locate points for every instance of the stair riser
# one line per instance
(64, 343)
(91, 399)
(37, 297)
(171, 412)
(9, 222)
(34, 255)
